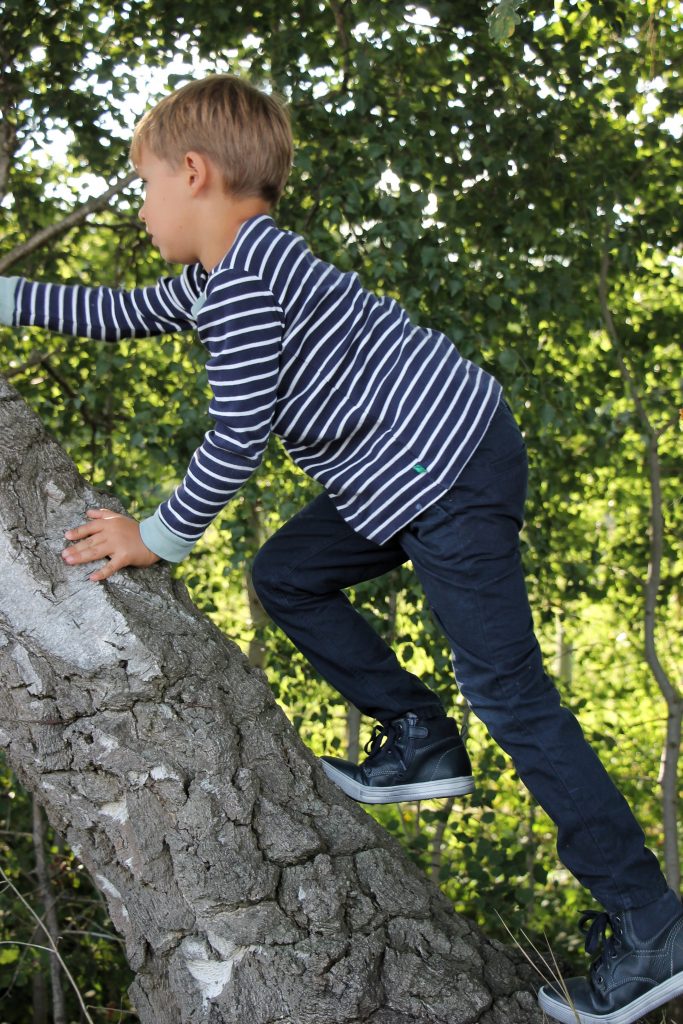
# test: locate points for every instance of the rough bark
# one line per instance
(247, 888)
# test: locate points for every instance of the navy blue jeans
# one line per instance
(465, 552)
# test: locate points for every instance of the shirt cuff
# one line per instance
(162, 542)
(8, 291)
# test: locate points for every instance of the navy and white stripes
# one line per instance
(383, 413)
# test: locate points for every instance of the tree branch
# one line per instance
(35, 359)
(71, 220)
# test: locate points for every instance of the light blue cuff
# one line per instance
(198, 304)
(8, 291)
(159, 539)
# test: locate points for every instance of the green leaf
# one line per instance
(503, 19)
(508, 359)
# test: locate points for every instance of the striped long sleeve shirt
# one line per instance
(383, 413)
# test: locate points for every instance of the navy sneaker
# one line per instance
(629, 978)
(410, 759)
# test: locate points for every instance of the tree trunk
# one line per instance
(248, 889)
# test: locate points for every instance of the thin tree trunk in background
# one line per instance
(564, 653)
(259, 619)
(353, 720)
(39, 998)
(353, 716)
(669, 767)
(668, 780)
(437, 844)
(50, 909)
(438, 839)
(257, 613)
(532, 845)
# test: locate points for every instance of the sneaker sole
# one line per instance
(397, 794)
(649, 1001)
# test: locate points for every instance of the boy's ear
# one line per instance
(197, 170)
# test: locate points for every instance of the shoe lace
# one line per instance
(595, 925)
(383, 739)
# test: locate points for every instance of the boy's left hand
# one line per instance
(107, 535)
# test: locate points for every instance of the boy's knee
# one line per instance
(268, 577)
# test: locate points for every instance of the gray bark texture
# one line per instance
(248, 889)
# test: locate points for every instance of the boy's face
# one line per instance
(166, 211)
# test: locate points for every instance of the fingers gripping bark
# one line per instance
(107, 535)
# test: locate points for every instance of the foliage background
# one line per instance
(478, 182)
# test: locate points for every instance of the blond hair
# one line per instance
(245, 132)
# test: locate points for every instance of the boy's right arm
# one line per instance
(107, 314)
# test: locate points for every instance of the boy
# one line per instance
(420, 459)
